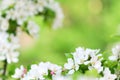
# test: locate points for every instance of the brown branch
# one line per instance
(5, 67)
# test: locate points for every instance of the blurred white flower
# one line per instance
(33, 29)
(8, 47)
(107, 75)
(41, 4)
(4, 24)
(12, 53)
(3, 45)
(59, 16)
(22, 11)
(6, 3)
(12, 56)
(19, 12)
(115, 53)
(58, 21)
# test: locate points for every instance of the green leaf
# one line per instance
(12, 27)
(83, 68)
(68, 55)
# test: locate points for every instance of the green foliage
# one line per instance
(12, 27)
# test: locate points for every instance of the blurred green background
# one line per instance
(87, 23)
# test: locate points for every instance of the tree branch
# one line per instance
(5, 67)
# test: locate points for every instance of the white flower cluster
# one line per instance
(91, 58)
(39, 72)
(9, 43)
(16, 14)
(6, 3)
(81, 56)
(21, 10)
(87, 57)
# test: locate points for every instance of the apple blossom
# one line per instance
(115, 53)
(19, 73)
(71, 66)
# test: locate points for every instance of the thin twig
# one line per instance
(5, 67)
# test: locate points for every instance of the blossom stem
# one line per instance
(5, 67)
(118, 71)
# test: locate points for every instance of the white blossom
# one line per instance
(4, 24)
(8, 47)
(22, 11)
(3, 45)
(33, 29)
(115, 53)
(41, 4)
(71, 66)
(96, 64)
(6, 3)
(38, 71)
(19, 73)
(80, 56)
(58, 16)
(93, 52)
(88, 57)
